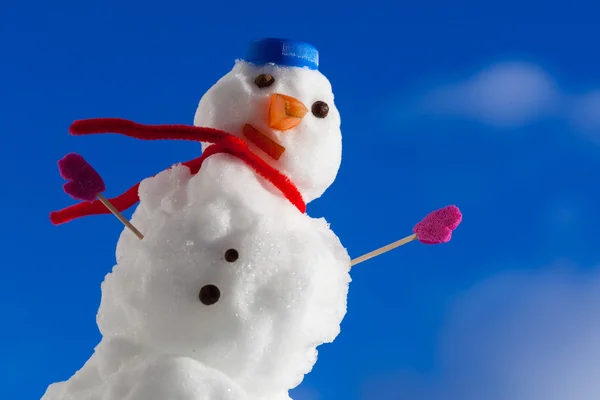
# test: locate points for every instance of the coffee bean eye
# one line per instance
(264, 80)
(232, 255)
(209, 295)
(320, 109)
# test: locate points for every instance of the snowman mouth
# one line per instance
(261, 140)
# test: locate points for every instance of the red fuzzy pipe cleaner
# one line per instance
(223, 143)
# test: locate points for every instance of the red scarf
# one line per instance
(223, 142)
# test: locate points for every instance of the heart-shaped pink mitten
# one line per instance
(84, 183)
(437, 227)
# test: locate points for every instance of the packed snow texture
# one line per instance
(284, 295)
(313, 149)
(109, 375)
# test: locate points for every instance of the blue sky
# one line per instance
(490, 107)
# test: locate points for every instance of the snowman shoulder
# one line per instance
(322, 228)
(164, 191)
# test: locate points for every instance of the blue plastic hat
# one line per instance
(283, 52)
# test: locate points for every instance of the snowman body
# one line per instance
(281, 295)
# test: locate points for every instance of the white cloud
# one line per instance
(506, 95)
(525, 337)
(519, 336)
(510, 95)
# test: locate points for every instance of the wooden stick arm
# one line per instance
(383, 249)
(120, 216)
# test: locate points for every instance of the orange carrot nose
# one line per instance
(285, 112)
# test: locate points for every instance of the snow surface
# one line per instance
(284, 296)
(313, 149)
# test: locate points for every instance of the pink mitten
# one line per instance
(437, 227)
(84, 183)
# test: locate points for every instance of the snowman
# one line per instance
(233, 286)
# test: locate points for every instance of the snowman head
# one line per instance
(283, 107)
